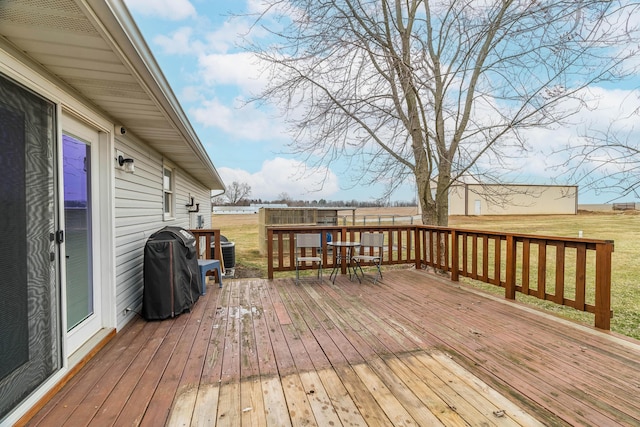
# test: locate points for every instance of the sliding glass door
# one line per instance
(30, 336)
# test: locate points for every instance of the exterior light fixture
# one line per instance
(126, 164)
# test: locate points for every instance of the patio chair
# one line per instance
(371, 249)
(308, 243)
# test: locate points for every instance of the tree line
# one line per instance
(239, 194)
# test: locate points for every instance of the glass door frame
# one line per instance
(81, 333)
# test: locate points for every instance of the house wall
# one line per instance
(513, 200)
(137, 209)
(130, 207)
(139, 213)
(136, 206)
(23, 71)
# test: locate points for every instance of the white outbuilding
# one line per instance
(513, 199)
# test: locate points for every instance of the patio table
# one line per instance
(345, 247)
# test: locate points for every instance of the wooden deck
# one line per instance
(414, 349)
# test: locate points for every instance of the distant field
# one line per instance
(623, 228)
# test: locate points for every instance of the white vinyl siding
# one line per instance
(139, 212)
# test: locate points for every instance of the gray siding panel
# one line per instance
(139, 213)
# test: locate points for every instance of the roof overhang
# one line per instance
(95, 48)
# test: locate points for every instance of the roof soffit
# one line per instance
(94, 47)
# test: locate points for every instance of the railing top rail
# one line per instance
(285, 227)
(564, 239)
(519, 235)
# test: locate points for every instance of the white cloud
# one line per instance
(256, 6)
(173, 10)
(268, 9)
(239, 69)
(191, 94)
(194, 41)
(289, 176)
(611, 105)
(608, 110)
(228, 35)
(246, 122)
(179, 42)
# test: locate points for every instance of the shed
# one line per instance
(317, 216)
(513, 199)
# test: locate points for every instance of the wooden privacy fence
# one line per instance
(566, 271)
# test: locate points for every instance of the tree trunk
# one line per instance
(427, 204)
(442, 196)
(435, 210)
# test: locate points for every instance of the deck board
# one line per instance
(59, 413)
(412, 349)
(124, 385)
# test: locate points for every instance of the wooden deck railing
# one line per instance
(203, 244)
(566, 271)
(398, 249)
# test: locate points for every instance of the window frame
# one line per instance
(168, 193)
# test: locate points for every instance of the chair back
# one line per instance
(372, 240)
(309, 240)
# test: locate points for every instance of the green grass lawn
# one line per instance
(622, 228)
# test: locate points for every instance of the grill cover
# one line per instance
(171, 274)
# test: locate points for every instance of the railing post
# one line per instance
(198, 239)
(217, 253)
(603, 285)
(343, 251)
(510, 273)
(270, 254)
(455, 260)
(418, 246)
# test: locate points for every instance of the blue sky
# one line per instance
(196, 44)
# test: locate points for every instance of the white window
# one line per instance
(168, 187)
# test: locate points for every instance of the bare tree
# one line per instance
(218, 200)
(236, 192)
(605, 160)
(284, 198)
(423, 90)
